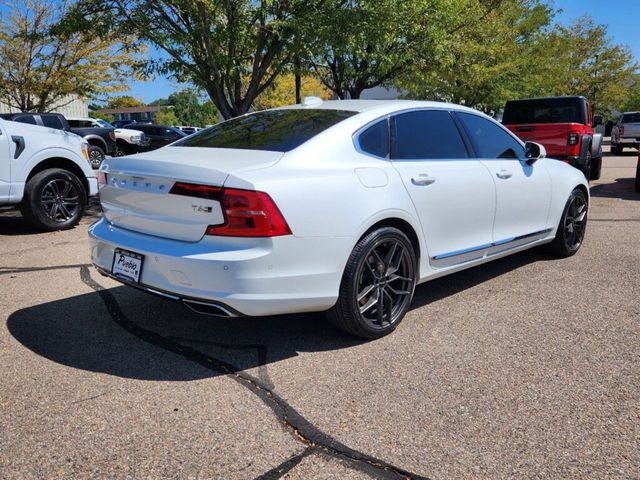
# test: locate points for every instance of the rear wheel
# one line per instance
(573, 224)
(377, 284)
(596, 168)
(617, 149)
(54, 199)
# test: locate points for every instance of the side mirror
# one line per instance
(534, 151)
(597, 120)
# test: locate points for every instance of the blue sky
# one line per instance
(621, 16)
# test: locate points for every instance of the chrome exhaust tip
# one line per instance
(211, 309)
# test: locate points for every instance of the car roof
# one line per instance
(361, 106)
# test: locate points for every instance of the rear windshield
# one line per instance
(633, 117)
(545, 110)
(274, 130)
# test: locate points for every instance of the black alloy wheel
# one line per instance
(96, 156)
(573, 224)
(378, 284)
(54, 200)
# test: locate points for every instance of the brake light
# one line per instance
(102, 179)
(247, 213)
(573, 139)
(621, 130)
(112, 134)
(196, 190)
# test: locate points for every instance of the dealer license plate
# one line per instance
(127, 265)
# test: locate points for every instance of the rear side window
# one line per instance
(51, 121)
(375, 139)
(425, 134)
(30, 119)
(490, 140)
(545, 110)
(631, 118)
(273, 130)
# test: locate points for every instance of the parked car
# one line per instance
(122, 123)
(188, 130)
(101, 140)
(338, 205)
(46, 174)
(128, 141)
(626, 133)
(158, 135)
(564, 125)
(637, 183)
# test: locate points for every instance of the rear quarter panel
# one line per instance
(564, 178)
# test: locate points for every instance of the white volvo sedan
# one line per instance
(340, 205)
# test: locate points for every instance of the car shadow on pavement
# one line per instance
(622, 188)
(127, 333)
(12, 223)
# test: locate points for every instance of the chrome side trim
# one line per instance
(457, 257)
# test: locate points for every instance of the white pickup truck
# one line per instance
(626, 133)
(45, 173)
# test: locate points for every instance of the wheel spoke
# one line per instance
(380, 309)
(65, 212)
(370, 303)
(366, 291)
(397, 292)
(67, 189)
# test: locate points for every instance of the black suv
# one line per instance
(158, 135)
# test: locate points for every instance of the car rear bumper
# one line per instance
(254, 276)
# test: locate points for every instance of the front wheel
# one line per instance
(572, 226)
(96, 156)
(377, 285)
(54, 199)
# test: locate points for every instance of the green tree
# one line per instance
(188, 109)
(233, 50)
(487, 56)
(283, 91)
(360, 44)
(166, 116)
(42, 67)
(632, 102)
(123, 101)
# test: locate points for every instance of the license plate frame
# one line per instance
(127, 265)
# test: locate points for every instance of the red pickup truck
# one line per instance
(563, 125)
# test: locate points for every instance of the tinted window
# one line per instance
(274, 130)
(425, 134)
(490, 140)
(76, 123)
(630, 118)
(26, 119)
(545, 110)
(375, 139)
(51, 121)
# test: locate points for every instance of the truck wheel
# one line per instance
(54, 199)
(596, 168)
(638, 175)
(96, 156)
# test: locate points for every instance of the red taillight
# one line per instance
(196, 190)
(621, 130)
(247, 213)
(112, 134)
(573, 138)
(102, 179)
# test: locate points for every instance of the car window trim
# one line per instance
(355, 138)
(473, 143)
(453, 119)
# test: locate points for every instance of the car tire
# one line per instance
(596, 168)
(54, 199)
(96, 156)
(637, 183)
(572, 226)
(377, 285)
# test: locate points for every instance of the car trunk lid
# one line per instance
(137, 194)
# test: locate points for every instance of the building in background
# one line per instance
(139, 114)
(70, 106)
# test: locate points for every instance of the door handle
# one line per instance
(423, 179)
(504, 174)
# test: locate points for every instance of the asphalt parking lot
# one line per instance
(527, 367)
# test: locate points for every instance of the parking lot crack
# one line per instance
(290, 419)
